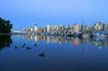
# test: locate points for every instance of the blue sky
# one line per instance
(24, 13)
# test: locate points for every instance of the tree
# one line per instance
(5, 26)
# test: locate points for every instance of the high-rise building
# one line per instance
(76, 28)
(29, 29)
(106, 28)
(70, 29)
(82, 28)
(36, 28)
(60, 29)
(98, 26)
(48, 28)
(87, 28)
(54, 29)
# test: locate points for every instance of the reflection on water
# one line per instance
(5, 41)
(32, 52)
(75, 41)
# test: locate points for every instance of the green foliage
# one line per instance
(5, 26)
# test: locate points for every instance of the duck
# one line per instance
(42, 54)
(28, 47)
(35, 44)
(16, 47)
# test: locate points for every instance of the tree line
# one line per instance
(5, 26)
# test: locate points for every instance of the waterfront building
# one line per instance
(36, 29)
(106, 28)
(76, 28)
(29, 29)
(44, 29)
(53, 29)
(70, 28)
(85, 28)
(48, 28)
(98, 26)
(40, 29)
(99, 29)
(66, 29)
(61, 29)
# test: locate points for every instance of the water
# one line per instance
(26, 52)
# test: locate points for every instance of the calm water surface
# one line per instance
(26, 52)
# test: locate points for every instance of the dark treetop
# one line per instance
(5, 26)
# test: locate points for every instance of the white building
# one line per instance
(36, 29)
(76, 28)
(48, 28)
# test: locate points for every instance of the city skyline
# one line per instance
(27, 13)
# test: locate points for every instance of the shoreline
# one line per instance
(79, 36)
(5, 33)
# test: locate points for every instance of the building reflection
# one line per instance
(98, 42)
(36, 38)
(28, 37)
(47, 39)
(76, 41)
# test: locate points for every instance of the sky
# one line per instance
(26, 13)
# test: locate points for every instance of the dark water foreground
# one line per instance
(35, 53)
